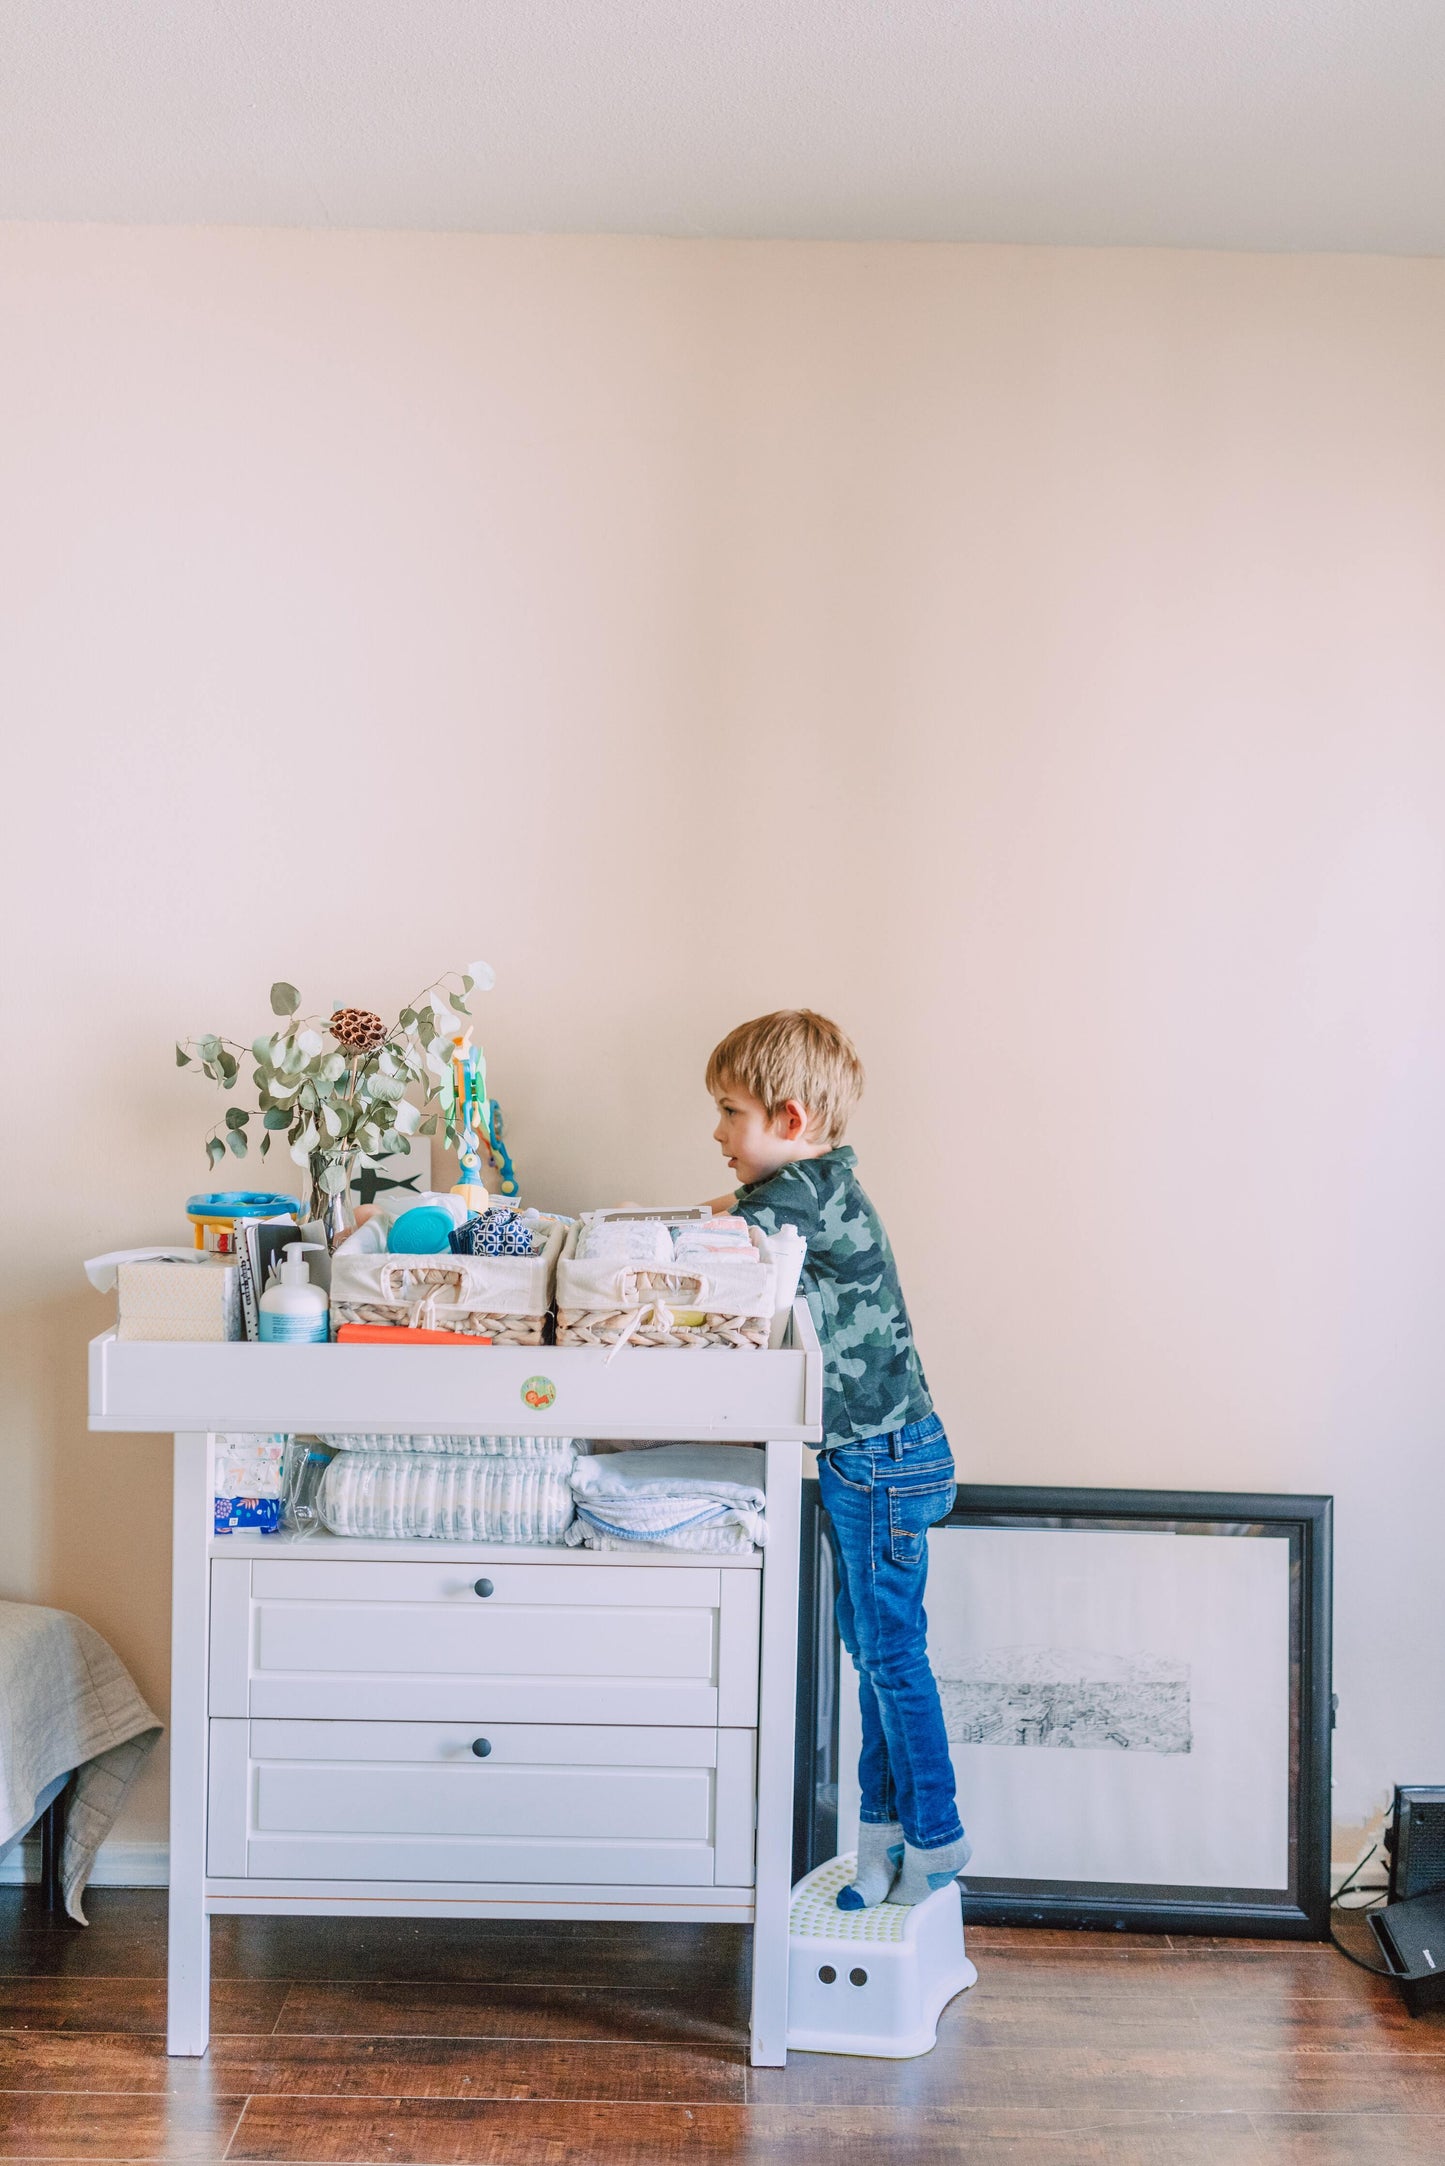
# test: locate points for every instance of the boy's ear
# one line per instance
(791, 1120)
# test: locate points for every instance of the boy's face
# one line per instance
(755, 1146)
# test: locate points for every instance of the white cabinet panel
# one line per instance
(612, 1806)
(396, 1639)
(299, 1579)
(408, 1641)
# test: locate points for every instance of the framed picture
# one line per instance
(1136, 1688)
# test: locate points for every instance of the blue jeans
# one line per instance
(882, 1496)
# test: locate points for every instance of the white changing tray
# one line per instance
(644, 1393)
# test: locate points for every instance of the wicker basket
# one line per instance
(600, 1305)
(501, 1298)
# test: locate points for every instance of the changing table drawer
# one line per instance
(417, 1801)
(495, 1642)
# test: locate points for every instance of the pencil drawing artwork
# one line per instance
(1063, 1697)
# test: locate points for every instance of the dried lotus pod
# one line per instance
(357, 1030)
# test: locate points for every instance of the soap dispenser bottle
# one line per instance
(291, 1307)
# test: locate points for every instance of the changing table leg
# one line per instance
(777, 1719)
(188, 2001)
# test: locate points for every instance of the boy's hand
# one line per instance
(721, 1206)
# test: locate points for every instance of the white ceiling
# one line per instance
(1257, 124)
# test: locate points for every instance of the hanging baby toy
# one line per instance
(478, 1126)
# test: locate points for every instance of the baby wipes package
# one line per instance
(248, 1482)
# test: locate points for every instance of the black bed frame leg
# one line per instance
(52, 1848)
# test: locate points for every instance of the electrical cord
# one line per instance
(1375, 1970)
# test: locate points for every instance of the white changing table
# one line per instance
(441, 1729)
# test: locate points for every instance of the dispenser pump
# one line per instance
(295, 1271)
(291, 1307)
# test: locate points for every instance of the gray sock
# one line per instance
(924, 1872)
(880, 1847)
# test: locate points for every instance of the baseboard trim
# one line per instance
(119, 1864)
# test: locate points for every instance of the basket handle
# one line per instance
(421, 1313)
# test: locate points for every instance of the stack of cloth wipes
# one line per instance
(449, 1488)
(709, 1497)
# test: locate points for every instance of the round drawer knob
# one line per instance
(484, 1588)
(481, 1746)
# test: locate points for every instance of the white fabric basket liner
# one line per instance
(479, 1285)
(724, 1288)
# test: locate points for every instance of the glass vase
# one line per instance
(333, 1206)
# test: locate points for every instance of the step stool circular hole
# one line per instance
(858, 1977)
(827, 1973)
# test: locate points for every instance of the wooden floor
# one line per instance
(571, 2045)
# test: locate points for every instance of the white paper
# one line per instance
(1118, 1702)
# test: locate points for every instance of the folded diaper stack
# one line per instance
(706, 1240)
(449, 1488)
(649, 1244)
(708, 1497)
(629, 1244)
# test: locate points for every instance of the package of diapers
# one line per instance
(451, 1496)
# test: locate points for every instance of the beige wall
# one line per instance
(1031, 657)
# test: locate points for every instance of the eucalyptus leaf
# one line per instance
(183, 1058)
(407, 1018)
(330, 1123)
(285, 999)
(236, 1117)
(237, 1141)
(408, 1118)
(310, 1043)
(428, 1126)
(482, 976)
(209, 1046)
(334, 1178)
(215, 1150)
(308, 1095)
(265, 1145)
(276, 1117)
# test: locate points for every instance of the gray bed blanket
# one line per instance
(66, 1701)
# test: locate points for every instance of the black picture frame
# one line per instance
(1298, 1912)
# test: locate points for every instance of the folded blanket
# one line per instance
(716, 1541)
(66, 1702)
(671, 1492)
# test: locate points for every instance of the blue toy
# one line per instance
(422, 1231)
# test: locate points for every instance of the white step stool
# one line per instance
(871, 1981)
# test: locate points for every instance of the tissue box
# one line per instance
(160, 1299)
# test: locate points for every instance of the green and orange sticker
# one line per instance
(539, 1392)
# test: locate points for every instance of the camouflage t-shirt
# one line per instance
(872, 1378)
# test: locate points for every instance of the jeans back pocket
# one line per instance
(911, 1512)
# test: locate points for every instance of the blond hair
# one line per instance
(792, 1054)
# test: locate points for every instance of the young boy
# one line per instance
(784, 1087)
